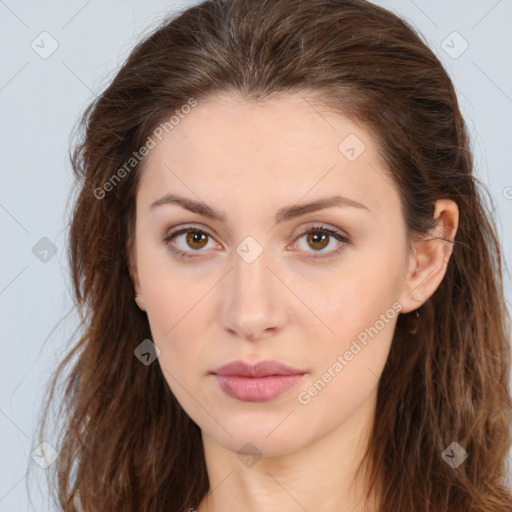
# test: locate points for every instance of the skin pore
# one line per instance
(247, 161)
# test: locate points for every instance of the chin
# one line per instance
(261, 437)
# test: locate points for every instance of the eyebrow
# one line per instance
(283, 214)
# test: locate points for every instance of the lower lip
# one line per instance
(257, 389)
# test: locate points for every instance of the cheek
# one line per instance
(175, 303)
(359, 308)
(347, 365)
(175, 312)
(356, 297)
(175, 320)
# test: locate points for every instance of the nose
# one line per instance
(254, 302)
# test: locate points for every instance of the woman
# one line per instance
(290, 285)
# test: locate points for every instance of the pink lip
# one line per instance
(257, 382)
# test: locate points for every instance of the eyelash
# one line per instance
(338, 235)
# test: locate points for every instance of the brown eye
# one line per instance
(196, 239)
(186, 241)
(192, 240)
(318, 240)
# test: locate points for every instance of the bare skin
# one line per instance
(300, 450)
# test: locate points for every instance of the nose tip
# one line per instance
(251, 307)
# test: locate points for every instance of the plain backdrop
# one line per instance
(56, 57)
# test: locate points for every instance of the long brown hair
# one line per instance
(126, 444)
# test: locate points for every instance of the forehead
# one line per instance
(283, 148)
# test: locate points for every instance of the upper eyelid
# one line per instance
(319, 225)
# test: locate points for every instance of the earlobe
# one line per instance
(430, 256)
(132, 268)
(139, 299)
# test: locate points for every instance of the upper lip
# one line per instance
(259, 369)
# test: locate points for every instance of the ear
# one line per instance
(429, 257)
(132, 267)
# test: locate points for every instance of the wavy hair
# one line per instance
(125, 442)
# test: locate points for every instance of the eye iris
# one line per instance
(318, 238)
(194, 237)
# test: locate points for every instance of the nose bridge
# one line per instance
(251, 305)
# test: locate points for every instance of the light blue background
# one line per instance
(40, 103)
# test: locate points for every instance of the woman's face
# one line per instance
(254, 287)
